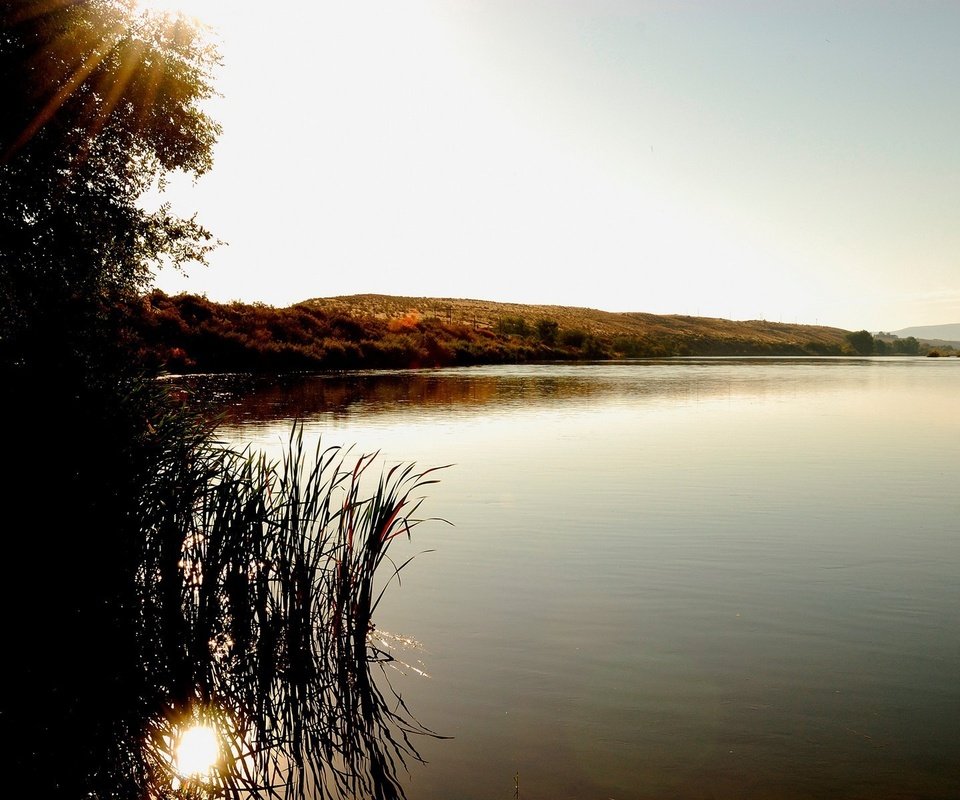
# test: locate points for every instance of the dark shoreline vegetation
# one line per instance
(188, 333)
(156, 579)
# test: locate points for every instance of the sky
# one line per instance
(788, 161)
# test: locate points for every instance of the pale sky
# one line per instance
(789, 161)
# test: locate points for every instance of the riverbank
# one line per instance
(189, 333)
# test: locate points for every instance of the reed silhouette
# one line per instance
(261, 580)
(162, 579)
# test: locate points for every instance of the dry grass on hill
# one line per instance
(746, 336)
(187, 333)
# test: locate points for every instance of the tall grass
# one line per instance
(156, 578)
(257, 587)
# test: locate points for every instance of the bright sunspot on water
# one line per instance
(197, 752)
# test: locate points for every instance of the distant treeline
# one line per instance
(189, 333)
(887, 344)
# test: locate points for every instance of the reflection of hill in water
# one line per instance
(242, 398)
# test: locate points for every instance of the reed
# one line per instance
(159, 579)
(257, 587)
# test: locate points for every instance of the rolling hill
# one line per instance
(936, 335)
(949, 332)
(672, 334)
(187, 333)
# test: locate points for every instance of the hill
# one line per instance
(947, 333)
(933, 336)
(189, 333)
(654, 334)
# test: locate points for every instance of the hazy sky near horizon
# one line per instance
(789, 161)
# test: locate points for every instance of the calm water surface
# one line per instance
(710, 578)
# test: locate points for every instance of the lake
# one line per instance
(693, 578)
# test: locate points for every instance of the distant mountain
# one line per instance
(948, 333)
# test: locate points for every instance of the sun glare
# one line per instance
(203, 10)
(197, 753)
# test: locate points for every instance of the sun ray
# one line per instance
(76, 79)
(203, 11)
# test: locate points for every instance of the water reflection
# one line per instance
(719, 577)
(481, 390)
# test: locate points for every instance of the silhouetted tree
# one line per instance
(99, 105)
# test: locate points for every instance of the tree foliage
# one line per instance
(861, 342)
(97, 104)
(100, 104)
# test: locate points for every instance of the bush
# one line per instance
(573, 338)
(547, 330)
(513, 326)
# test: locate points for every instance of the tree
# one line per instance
(99, 105)
(862, 342)
(910, 346)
